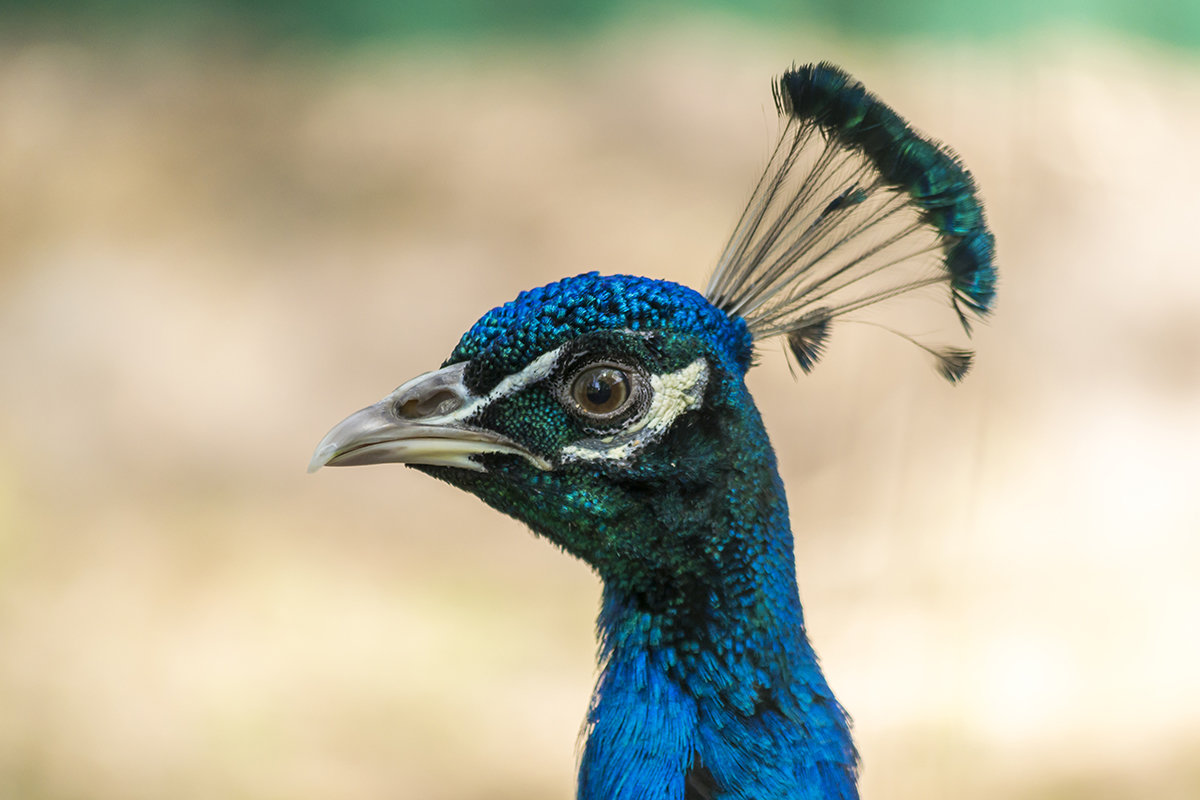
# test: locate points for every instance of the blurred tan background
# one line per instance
(213, 248)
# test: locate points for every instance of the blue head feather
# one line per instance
(540, 319)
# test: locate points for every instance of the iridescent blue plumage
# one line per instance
(541, 319)
(708, 675)
(611, 415)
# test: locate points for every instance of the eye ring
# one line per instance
(604, 391)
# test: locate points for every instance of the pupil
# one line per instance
(599, 390)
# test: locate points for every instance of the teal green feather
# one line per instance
(930, 173)
(856, 208)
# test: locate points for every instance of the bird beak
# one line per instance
(422, 422)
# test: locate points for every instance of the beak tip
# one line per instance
(321, 457)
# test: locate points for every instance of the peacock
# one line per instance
(610, 414)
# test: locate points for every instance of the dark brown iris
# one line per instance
(600, 391)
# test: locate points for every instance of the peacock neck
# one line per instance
(709, 687)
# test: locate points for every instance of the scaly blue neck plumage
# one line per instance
(711, 667)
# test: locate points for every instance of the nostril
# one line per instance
(433, 405)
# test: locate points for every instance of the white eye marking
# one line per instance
(673, 394)
(537, 370)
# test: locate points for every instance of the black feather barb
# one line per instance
(953, 363)
(807, 340)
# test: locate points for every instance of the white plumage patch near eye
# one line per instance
(672, 395)
(469, 405)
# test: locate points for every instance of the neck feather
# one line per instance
(709, 688)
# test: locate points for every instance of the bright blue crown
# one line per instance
(541, 319)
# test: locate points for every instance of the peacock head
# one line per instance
(610, 413)
(598, 410)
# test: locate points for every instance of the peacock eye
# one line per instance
(602, 391)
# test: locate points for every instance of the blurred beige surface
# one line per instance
(207, 259)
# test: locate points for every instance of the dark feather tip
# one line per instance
(971, 264)
(850, 196)
(807, 341)
(953, 363)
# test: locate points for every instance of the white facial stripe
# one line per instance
(538, 369)
(673, 394)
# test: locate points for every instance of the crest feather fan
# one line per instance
(854, 208)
